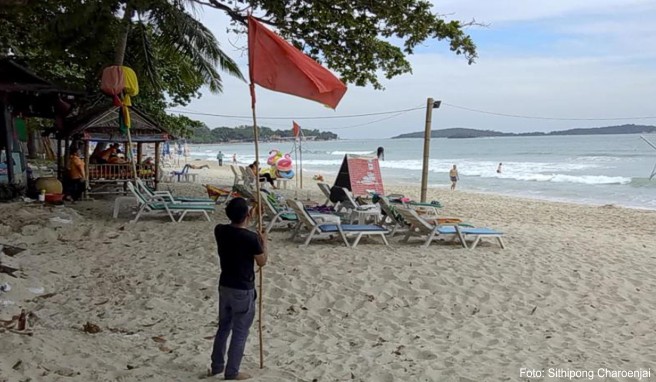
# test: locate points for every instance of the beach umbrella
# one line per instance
(277, 65)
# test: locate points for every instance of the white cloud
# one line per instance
(501, 11)
(604, 83)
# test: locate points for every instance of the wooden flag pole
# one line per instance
(296, 160)
(300, 154)
(258, 198)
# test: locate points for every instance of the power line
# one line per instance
(293, 117)
(368, 123)
(543, 118)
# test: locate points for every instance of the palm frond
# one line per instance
(177, 29)
(147, 53)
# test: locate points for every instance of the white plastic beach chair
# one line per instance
(328, 229)
(167, 196)
(158, 205)
(420, 227)
(360, 212)
(325, 189)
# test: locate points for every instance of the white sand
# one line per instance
(574, 289)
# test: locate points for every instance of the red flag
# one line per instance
(296, 129)
(277, 65)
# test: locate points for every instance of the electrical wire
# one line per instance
(296, 118)
(543, 118)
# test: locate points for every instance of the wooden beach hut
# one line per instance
(23, 95)
(100, 125)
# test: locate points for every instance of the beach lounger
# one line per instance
(420, 227)
(430, 209)
(238, 177)
(325, 189)
(248, 177)
(476, 232)
(284, 216)
(167, 196)
(360, 212)
(395, 219)
(328, 229)
(158, 205)
(217, 194)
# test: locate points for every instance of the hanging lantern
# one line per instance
(113, 83)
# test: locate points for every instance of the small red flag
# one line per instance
(277, 65)
(296, 129)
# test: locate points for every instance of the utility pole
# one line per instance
(430, 105)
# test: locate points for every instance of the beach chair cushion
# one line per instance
(171, 206)
(351, 228)
(451, 230)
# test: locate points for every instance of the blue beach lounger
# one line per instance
(420, 227)
(323, 229)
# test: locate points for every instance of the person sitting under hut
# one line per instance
(106, 154)
(117, 159)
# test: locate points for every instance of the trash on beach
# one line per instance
(60, 220)
(38, 290)
(22, 320)
(91, 328)
(5, 287)
(8, 270)
(10, 250)
(6, 302)
(159, 339)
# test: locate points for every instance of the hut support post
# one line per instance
(59, 159)
(9, 142)
(139, 152)
(86, 169)
(157, 155)
(67, 152)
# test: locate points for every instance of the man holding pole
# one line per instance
(238, 248)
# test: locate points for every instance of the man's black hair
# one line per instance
(237, 210)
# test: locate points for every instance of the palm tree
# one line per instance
(165, 27)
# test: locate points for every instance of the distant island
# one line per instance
(474, 133)
(202, 134)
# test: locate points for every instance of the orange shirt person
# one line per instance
(76, 168)
(76, 176)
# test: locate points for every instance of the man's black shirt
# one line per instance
(237, 248)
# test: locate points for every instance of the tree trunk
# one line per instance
(32, 150)
(119, 55)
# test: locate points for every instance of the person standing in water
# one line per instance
(234, 158)
(219, 157)
(453, 174)
(380, 152)
(499, 168)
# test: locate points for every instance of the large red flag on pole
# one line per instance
(296, 129)
(277, 65)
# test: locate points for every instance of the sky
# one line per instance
(558, 59)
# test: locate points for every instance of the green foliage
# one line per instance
(202, 134)
(356, 37)
(174, 55)
(69, 42)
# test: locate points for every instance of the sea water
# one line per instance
(590, 169)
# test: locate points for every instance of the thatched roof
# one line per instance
(101, 124)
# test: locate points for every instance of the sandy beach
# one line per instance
(573, 290)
